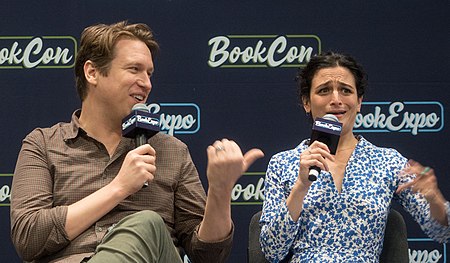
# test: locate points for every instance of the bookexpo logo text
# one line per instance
(26, 52)
(426, 250)
(408, 116)
(177, 118)
(5, 189)
(262, 51)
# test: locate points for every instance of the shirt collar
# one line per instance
(73, 129)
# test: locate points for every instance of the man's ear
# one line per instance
(90, 72)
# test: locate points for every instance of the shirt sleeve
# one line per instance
(37, 228)
(278, 230)
(190, 200)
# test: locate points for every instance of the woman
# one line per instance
(341, 217)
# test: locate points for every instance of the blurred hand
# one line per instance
(226, 163)
(137, 168)
(425, 181)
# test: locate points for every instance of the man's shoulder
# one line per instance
(57, 129)
(162, 140)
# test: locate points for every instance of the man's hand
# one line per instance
(137, 168)
(226, 164)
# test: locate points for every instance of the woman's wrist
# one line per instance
(300, 187)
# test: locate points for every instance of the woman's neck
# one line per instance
(346, 143)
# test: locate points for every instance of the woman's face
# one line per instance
(333, 91)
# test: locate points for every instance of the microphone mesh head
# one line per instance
(330, 117)
(140, 107)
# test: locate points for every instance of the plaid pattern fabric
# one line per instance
(59, 166)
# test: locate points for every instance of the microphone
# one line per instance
(328, 131)
(141, 125)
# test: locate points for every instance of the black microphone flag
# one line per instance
(328, 131)
(140, 124)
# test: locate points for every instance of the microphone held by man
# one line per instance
(141, 125)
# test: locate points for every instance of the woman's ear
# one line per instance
(306, 105)
(360, 99)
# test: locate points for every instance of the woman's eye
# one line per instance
(347, 91)
(323, 90)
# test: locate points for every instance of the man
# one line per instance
(77, 189)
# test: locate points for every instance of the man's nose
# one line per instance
(145, 82)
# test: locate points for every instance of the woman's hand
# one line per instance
(424, 183)
(315, 155)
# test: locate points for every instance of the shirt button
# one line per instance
(99, 229)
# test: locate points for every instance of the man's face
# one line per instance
(128, 79)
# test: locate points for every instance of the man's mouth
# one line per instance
(139, 98)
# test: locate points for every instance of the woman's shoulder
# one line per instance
(379, 151)
(293, 153)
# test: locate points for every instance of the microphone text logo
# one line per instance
(140, 119)
(328, 126)
(147, 120)
(26, 52)
(253, 51)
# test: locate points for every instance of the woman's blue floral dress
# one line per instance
(339, 227)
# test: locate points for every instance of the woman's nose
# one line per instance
(336, 97)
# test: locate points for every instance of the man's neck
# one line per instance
(101, 126)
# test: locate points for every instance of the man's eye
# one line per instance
(134, 69)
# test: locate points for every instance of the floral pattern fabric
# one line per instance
(339, 227)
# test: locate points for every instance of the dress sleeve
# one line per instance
(418, 207)
(278, 230)
(37, 228)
